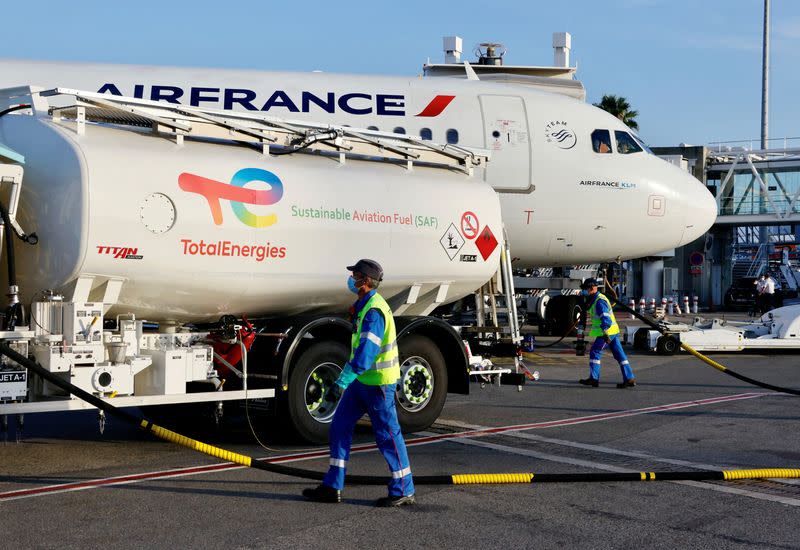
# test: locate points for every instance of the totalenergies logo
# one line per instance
(237, 194)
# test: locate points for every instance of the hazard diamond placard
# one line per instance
(486, 243)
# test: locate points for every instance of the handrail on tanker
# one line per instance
(288, 135)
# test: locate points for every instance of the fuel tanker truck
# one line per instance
(170, 255)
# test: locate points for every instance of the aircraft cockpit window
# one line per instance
(452, 136)
(643, 145)
(399, 130)
(626, 144)
(601, 141)
(426, 134)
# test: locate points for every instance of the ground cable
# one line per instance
(445, 479)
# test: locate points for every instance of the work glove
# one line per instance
(606, 338)
(345, 379)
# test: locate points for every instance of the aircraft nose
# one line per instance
(701, 211)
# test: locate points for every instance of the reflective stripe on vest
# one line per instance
(386, 368)
(597, 329)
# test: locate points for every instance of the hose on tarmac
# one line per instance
(708, 361)
(444, 479)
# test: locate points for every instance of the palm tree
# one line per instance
(620, 108)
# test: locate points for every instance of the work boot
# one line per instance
(323, 493)
(630, 383)
(593, 382)
(393, 501)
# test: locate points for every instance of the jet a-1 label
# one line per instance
(14, 376)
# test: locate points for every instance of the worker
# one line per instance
(605, 331)
(367, 384)
(768, 293)
(760, 283)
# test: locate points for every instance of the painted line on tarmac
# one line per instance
(632, 454)
(609, 468)
(322, 453)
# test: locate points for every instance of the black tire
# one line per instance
(321, 357)
(640, 339)
(667, 345)
(560, 314)
(418, 353)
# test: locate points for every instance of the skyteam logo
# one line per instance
(557, 131)
(237, 194)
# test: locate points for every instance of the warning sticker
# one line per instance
(452, 241)
(469, 225)
(486, 243)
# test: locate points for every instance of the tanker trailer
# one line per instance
(190, 255)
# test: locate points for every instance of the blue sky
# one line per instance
(691, 68)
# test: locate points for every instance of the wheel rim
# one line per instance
(415, 388)
(317, 385)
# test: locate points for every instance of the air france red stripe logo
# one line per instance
(437, 105)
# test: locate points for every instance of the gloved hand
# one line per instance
(346, 377)
(334, 393)
(607, 338)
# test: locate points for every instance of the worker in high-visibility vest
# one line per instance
(605, 330)
(367, 384)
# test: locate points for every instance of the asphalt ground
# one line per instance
(694, 418)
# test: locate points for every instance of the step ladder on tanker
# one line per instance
(497, 325)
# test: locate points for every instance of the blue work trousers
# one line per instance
(378, 403)
(619, 354)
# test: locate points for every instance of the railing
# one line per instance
(271, 134)
(752, 144)
(749, 204)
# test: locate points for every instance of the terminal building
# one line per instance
(758, 225)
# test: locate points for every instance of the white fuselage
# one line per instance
(562, 202)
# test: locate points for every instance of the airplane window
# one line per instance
(399, 130)
(373, 128)
(626, 144)
(426, 134)
(601, 141)
(452, 136)
(641, 142)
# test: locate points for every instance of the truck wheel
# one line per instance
(311, 378)
(422, 388)
(667, 345)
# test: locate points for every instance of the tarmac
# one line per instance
(65, 485)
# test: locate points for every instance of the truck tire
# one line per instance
(667, 345)
(640, 339)
(315, 370)
(422, 388)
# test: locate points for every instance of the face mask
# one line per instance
(351, 284)
(584, 292)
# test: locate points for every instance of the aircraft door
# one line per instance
(506, 135)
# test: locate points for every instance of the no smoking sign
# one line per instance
(469, 225)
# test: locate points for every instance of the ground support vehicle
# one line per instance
(776, 329)
(148, 264)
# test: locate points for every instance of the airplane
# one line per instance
(576, 185)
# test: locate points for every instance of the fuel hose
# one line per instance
(703, 358)
(444, 479)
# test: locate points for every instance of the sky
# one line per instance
(691, 68)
